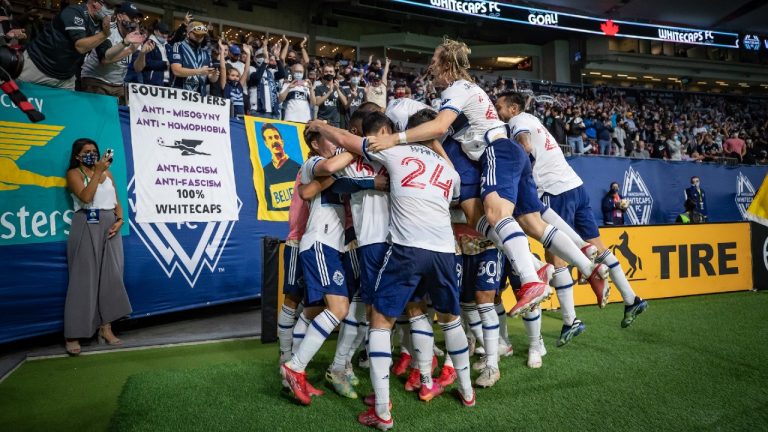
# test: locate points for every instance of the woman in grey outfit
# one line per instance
(96, 295)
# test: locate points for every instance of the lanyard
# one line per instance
(87, 179)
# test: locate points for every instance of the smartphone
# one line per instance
(108, 154)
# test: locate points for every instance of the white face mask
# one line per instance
(298, 76)
(259, 61)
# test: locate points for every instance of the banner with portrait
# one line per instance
(182, 156)
(277, 152)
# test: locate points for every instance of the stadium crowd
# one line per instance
(283, 81)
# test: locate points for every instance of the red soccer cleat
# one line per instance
(414, 380)
(370, 400)
(426, 394)
(434, 363)
(370, 418)
(545, 273)
(447, 376)
(590, 251)
(528, 297)
(313, 391)
(402, 364)
(468, 403)
(297, 383)
(598, 280)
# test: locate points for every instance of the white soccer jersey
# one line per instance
(465, 97)
(399, 110)
(370, 208)
(326, 214)
(551, 171)
(422, 186)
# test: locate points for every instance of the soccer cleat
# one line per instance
(467, 402)
(414, 380)
(529, 296)
(341, 384)
(488, 377)
(598, 280)
(590, 251)
(545, 273)
(471, 343)
(534, 358)
(350, 373)
(505, 349)
(631, 312)
(570, 331)
(447, 376)
(479, 350)
(313, 391)
(426, 394)
(434, 363)
(480, 364)
(297, 383)
(370, 418)
(401, 366)
(370, 400)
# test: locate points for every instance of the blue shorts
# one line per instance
(371, 258)
(482, 272)
(469, 170)
(323, 273)
(351, 263)
(410, 272)
(574, 208)
(508, 277)
(506, 170)
(293, 275)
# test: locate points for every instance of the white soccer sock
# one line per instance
(319, 330)
(515, 247)
(285, 322)
(485, 228)
(474, 322)
(404, 334)
(563, 283)
(456, 345)
(562, 246)
(532, 324)
(537, 263)
(299, 331)
(617, 276)
(380, 355)
(347, 335)
(503, 330)
(423, 340)
(362, 331)
(448, 361)
(490, 333)
(551, 217)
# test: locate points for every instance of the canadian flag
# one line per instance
(609, 28)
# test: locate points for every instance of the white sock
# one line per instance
(532, 324)
(299, 331)
(490, 333)
(537, 263)
(380, 355)
(456, 345)
(560, 245)
(474, 322)
(423, 339)
(285, 322)
(551, 217)
(563, 283)
(503, 330)
(515, 247)
(362, 330)
(347, 335)
(319, 330)
(448, 361)
(403, 332)
(617, 276)
(485, 228)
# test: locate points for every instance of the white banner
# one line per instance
(181, 155)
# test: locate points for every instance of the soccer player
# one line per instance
(506, 184)
(563, 191)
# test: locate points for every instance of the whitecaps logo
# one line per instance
(745, 193)
(160, 240)
(639, 197)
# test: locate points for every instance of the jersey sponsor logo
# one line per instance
(188, 248)
(639, 197)
(338, 278)
(745, 193)
(78, 21)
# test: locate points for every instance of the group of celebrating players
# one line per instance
(412, 213)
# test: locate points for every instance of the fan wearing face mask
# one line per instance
(354, 93)
(297, 96)
(191, 61)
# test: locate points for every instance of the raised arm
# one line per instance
(319, 184)
(424, 132)
(340, 137)
(284, 50)
(304, 53)
(387, 61)
(329, 166)
(223, 65)
(246, 65)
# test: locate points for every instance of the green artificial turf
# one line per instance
(698, 363)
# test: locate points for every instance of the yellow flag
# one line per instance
(758, 210)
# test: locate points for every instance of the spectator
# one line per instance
(696, 194)
(298, 96)
(55, 55)
(674, 148)
(105, 67)
(233, 59)
(603, 131)
(191, 61)
(639, 151)
(291, 58)
(555, 124)
(96, 294)
(355, 94)
(575, 131)
(613, 206)
(153, 64)
(7, 30)
(619, 137)
(376, 87)
(263, 84)
(231, 82)
(327, 97)
(735, 147)
(691, 215)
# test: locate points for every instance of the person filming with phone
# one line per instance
(96, 293)
(298, 96)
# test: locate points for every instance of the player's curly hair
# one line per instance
(453, 64)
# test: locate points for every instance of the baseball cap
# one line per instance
(162, 27)
(129, 9)
(234, 49)
(197, 28)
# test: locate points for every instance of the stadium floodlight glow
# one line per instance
(702, 82)
(504, 12)
(631, 77)
(607, 76)
(510, 60)
(648, 77)
(621, 75)
(595, 73)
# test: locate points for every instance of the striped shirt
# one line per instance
(191, 58)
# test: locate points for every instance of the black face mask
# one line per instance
(290, 61)
(129, 26)
(328, 77)
(201, 44)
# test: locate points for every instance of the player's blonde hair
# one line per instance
(453, 64)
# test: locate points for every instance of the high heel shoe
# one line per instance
(106, 336)
(72, 347)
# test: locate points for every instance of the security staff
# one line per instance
(696, 194)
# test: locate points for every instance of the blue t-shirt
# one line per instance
(233, 91)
